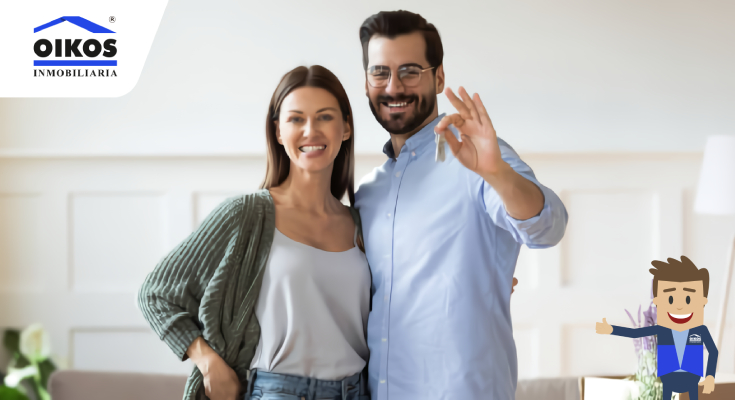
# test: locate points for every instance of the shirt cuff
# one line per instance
(180, 336)
(547, 227)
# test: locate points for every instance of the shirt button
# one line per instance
(413, 153)
(382, 381)
(398, 174)
(388, 215)
(385, 340)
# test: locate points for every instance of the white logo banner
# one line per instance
(75, 48)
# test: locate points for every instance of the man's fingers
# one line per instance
(452, 141)
(483, 115)
(454, 119)
(604, 321)
(467, 100)
(458, 104)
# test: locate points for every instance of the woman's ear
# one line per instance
(347, 133)
(278, 133)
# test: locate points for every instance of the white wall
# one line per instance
(79, 234)
(564, 75)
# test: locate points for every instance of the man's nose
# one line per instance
(395, 86)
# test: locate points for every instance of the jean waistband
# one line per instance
(303, 384)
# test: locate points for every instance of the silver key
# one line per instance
(440, 152)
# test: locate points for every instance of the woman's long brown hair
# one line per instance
(279, 164)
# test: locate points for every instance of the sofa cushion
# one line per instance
(547, 389)
(87, 385)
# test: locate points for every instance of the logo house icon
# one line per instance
(65, 50)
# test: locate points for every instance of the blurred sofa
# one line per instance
(88, 385)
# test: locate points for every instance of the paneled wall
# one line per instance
(78, 234)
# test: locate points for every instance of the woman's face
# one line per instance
(311, 128)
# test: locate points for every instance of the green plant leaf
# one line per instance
(11, 340)
(45, 368)
(19, 361)
(7, 393)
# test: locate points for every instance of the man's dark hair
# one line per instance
(678, 271)
(394, 23)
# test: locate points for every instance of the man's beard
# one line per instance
(420, 114)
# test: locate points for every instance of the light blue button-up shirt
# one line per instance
(442, 251)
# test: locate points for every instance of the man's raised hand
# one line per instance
(479, 150)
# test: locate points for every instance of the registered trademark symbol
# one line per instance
(112, 19)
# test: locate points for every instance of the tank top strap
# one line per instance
(354, 239)
(356, 219)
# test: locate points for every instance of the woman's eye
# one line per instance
(295, 119)
(671, 299)
(326, 117)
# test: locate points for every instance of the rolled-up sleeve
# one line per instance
(545, 229)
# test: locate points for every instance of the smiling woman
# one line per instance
(278, 285)
(307, 84)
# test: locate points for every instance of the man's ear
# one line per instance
(439, 79)
(705, 302)
(367, 93)
(278, 133)
(655, 301)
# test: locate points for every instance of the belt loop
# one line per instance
(363, 382)
(251, 381)
(312, 388)
(344, 389)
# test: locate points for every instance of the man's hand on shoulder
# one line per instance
(603, 328)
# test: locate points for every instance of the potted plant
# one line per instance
(649, 385)
(30, 364)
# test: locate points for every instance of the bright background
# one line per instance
(609, 102)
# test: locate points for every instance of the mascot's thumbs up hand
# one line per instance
(603, 328)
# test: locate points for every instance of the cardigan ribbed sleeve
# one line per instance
(171, 294)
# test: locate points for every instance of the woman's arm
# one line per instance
(171, 294)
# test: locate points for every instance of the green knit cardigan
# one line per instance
(209, 284)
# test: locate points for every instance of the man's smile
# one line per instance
(680, 319)
(396, 106)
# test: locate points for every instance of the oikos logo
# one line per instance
(95, 50)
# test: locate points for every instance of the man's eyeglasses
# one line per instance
(378, 76)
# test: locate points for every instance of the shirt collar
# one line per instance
(418, 140)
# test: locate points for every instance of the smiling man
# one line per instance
(680, 294)
(442, 238)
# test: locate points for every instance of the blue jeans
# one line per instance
(681, 382)
(271, 386)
